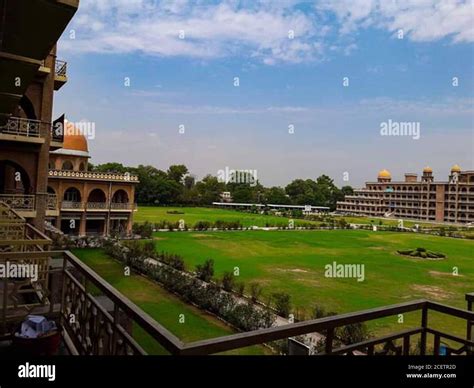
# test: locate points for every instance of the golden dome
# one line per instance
(73, 139)
(384, 174)
(456, 168)
(428, 170)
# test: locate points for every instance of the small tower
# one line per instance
(455, 171)
(427, 174)
(384, 176)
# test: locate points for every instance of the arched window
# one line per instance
(96, 195)
(120, 196)
(67, 165)
(82, 167)
(13, 178)
(72, 195)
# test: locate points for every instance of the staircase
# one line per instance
(24, 281)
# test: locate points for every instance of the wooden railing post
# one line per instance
(329, 340)
(115, 324)
(424, 325)
(436, 344)
(406, 345)
(469, 323)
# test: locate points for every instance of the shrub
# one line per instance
(319, 312)
(228, 281)
(202, 225)
(353, 333)
(282, 303)
(205, 271)
(240, 288)
(145, 230)
(423, 253)
(255, 291)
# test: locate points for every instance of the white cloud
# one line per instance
(421, 20)
(259, 29)
(210, 30)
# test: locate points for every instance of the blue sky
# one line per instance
(189, 80)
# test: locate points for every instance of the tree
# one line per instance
(276, 195)
(242, 194)
(189, 182)
(205, 271)
(209, 189)
(177, 172)
(347, 190)
(111, 167)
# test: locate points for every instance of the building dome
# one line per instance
(427, 170)
(74, 140)
(455, 168)
(384, 174)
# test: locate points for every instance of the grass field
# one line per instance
(293, 262)
(193, 214)
(160, 304)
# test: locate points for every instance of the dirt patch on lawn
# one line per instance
(432, 292)
(438, 274)
(296, 270)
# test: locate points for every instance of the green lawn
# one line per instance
(164, 307)
(193, 214)
(293, 262)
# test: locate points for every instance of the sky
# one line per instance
(290, 89)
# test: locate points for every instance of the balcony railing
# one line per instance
(90, 175)
(60, 68)
(71, 205)
(52, 202)
(97, 205)
(97, 330)
(122, 206)
(22, 127)
(19, 202)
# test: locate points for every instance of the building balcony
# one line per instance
(26, 42)
(60, 74)
(101, 206)
(24, 205)
(96, 206)
(24, 130)
(123, 206)
(52, 206)
(91, 175)
(72, 205)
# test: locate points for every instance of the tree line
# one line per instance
(177, 186)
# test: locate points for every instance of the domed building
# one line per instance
(83, 202)
(418, 199)
(384, 176)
